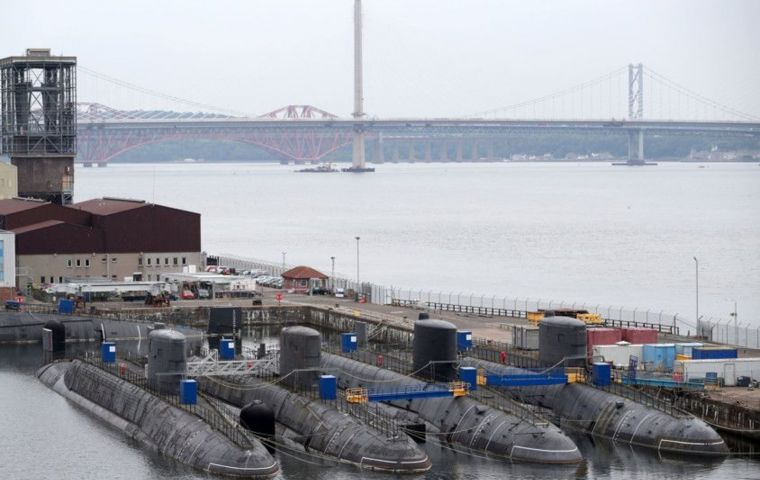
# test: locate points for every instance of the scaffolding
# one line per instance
(39, 123)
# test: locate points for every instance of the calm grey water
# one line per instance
(586, 232)
(44, 437)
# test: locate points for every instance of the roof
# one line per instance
(15, 205)
(38, 226)
(108, 205)
(302, 272)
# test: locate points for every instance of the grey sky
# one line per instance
(422, 57)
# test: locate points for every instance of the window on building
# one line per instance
(113, 259)
(42, 279)
(52, 280)
(139, 261)
(113, 277)
(79, 262)
(158, 262)
(103, 260)
(184, 261)
(148, 260)
(69, 263)
(166, 260)
(149, 275)
(86, 262)
(60, 279)
(175, 261)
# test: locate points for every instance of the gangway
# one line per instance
(362, 395)
(210, 365)
(523, 380)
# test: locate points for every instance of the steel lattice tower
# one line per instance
(39, 122)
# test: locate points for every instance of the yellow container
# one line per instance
(590, 318)
(683, 357)
(534, 318)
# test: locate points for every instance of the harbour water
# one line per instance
(585, 232)
(44, 437)
(574, 232)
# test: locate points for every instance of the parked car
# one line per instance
(340, 293)
(187, 295)
(320, 291)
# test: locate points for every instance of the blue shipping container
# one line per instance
(328, 387)
(65, 306)
(601, 373)
(348, 342)
(464, 340)
(712, 353)
(226, 349)
(469, 375)
(188, 392)
(108, 352)
(659, 356)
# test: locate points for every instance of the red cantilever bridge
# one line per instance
(302, 133)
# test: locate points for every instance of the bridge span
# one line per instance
(303, 140)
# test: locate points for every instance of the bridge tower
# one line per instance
(39, 127)
(635, 92)
(358, 163)
(636, 113)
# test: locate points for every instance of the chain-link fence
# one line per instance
(730, 332)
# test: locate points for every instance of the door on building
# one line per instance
(729, 374)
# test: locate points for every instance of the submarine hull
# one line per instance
(598, 412)
(463, 420)
(324, 429)
(154, 423)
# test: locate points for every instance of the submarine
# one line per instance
(314, 424)
(598, 412)
(147, 411)
(18, 327)
(516, 436)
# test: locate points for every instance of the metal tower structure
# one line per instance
(635, 92)
(39, 123)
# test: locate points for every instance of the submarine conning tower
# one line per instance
(300, 349)
(561, 340)
(166, 359)
(435, 350)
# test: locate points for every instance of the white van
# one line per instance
(340, 293)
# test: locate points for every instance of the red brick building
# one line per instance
(301, 279)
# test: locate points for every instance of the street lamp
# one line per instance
(283, 260)
(358, 282)
(736, 325)
(696, 274)
(332, 275)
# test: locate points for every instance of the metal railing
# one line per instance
(212, 417)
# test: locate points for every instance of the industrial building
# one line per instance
(107, 238)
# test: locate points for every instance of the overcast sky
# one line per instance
(422, 57)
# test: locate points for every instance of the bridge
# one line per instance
(612, 104)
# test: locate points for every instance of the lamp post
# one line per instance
(736, 325)
(332, 274)
(696, 276)
(283, 260)
(358, 281)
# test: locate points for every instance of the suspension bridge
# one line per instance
(612, 104)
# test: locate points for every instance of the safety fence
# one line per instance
(477, 304)
(732, 333)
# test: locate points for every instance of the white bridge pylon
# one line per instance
(210, 366)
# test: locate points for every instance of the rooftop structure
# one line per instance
(39, 122)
